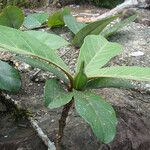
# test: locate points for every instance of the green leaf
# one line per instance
(124, 72)
(109, 82)
(96, 51)
(9, 78)
(116, 27)
(35, 20)
(37, 63)
(92, 28)
(22, 43)
(98, 113)
(56, 19)
(54, 94)
(51, 40)
(12, 16)
(80, 80)
(72, 24)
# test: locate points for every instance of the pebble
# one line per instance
(52, 120)
(5, 136)
(23, 67)
(74, 6)
(138, 53)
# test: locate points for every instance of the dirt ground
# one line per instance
(132, 107)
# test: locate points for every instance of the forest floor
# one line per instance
(132, 107)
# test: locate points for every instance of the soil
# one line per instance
(132, 107)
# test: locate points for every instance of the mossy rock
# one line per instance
(24, 3)
(37, 3)
(105, 3)
(21, 3)
(100, 3)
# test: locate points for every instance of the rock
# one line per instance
(23, 67)
(16, 135)
(137, 53)
(143, 16)
(21, 139)
(132, 108)
(101, 3)
(144, 3)
(134, 37)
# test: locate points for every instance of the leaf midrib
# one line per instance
(97, 118)
(89, 101)
(96, 54)
(123, 76)
(39, 57)
(105, 110)
(31, 51)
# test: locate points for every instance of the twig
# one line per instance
(62, 124)
(41, 134)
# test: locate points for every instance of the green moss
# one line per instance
(104, 3)
(20, 3)
(36, 3)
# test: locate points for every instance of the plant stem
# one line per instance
(62, 124)
(36, 28)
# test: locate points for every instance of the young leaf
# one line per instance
(22, 43)
(54, 94)
(72, 24)
(98, 113)
(109, 82)
(116, 27)
(124, 72)
(12, 16)
(92, 28)
(51, 40)
(9, 78)
(37, 63)
(35, 20)
(96, 51)
(80, 79)
(56, 19)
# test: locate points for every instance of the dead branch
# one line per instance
(118, 9)
(41, 134)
